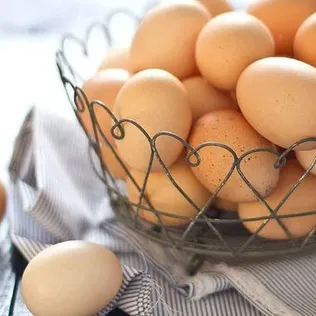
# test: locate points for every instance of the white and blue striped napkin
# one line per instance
(58, 197)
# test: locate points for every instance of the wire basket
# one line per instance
(211, 233)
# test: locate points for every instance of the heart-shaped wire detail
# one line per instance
(194, 152)
(279, 163)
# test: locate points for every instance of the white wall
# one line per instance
(60, 15)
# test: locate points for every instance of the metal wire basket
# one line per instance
(211, 233)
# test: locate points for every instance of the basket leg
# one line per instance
(195, 264)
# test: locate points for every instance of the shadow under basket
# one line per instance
(212, 234)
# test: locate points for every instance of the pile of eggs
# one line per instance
(208, 74)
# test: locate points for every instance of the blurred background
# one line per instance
(30, 34)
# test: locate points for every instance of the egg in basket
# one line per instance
(209, 129)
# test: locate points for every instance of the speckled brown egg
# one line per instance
(204, 98)
(305, 158)
(216, 7)
(302, 200)
(103, 86)
(158, 102)
(228, 44)
(116, 58)
(229, 127)
(165, 197)
(166, 38)
(304, 42)
(283, 17)
(277, 97)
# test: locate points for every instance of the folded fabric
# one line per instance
(58, 197)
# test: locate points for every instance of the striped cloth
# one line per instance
(56, 196)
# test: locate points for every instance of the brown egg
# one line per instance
(166, 38)
(225, 205)
(73, 278)
(229, 127)
(233, 40)
(305, 158)
(283, 17)
(216, 7)
(302, 200)
(157, 101)
(103, 86)
(204, 98)
(304, 42)
(2, 201)
(276, 96)
(112, 164)
(165, 197)
(116, 58)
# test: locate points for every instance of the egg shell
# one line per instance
(229, 127)
(111, 163)
(233, 40)
(302, 200)
(277, 97)
(204, 98)
(165, 197)
(3, 199)
(117, 57)
(283, 17)
(103, 86)
(216, 7)
(166, 38)
(73, 278)
(305, 158)
(225, 205)
(157, 101)
(304, 42)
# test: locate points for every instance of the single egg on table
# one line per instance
(277, 97)
(166, 38)
(73, 278)
(158, 102)
(305, 158)
(228, 127)
(204, 98)
(117, 57)
(283, 18)
(302, 200)
(228, 44)
(216, 7)
(165, 197)
(304, 42)
(3, 199)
